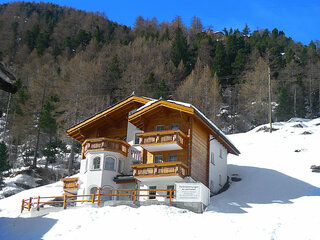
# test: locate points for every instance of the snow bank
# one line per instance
(277, 198)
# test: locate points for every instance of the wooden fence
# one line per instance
(94, 198)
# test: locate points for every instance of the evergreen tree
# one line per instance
(53, 148)
(162, 90)
(32, 35)
(179, 48)
(4, 165)
(47, 122)
(83, 38)
(3, 161)
(246, 30)
(98, 35)
(48, 126)
(239, 62)
(219, 62)
(42, 42)
(149, 83)
(284, 109)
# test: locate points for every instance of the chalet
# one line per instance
(142, 143)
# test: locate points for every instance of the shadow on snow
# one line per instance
(25, 228)
(259, 186)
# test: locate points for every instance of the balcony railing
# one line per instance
(105, 144)
(160, 169)
(170, 140)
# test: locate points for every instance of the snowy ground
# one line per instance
(278, 198)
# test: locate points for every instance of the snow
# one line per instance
(146, 105)
(17, 184)
(278, 198)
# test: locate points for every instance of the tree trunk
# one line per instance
(34, 164)
(70, 160)
(295, 101)
(7, 114)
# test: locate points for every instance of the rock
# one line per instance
(306, 133)
(299, 125)
(266, 129)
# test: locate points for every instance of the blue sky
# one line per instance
(300, 20)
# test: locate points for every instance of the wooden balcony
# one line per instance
(105, 144)
(164, 169)
(70, 185)
(163, 140)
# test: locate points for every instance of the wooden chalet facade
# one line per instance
(144, 143)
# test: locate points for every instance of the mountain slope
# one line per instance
(277, 198)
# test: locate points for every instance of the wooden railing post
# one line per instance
(99, 192)
(170, 196)
(29, 204)
(134, 196)
(38, 206)
(65, 201)
(22, 205)
(93, 196)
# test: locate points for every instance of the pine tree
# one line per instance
(284, 109)
(98, 35)
(47, 122)
(149, 83)
(246, 30)
(4, 165)
(219, 62)
(179, 48)
(162, 90)
(3, 161)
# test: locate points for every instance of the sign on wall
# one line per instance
(188, 192)
(192, 192)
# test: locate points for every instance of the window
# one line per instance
(160, 128)
(212, 158)
(136, 139)
(220, 155)
(106, 198)
(110, 163)
(96, 163)
(153, 193)
(157, 158)
(172, 158)
(168, 192)
(120, 166)
(93, 190)
(174, 126)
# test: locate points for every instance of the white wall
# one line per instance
(134, 154)
(218, 170)
(159, 185)
(98, 177)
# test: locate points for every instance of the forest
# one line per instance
(71, 64)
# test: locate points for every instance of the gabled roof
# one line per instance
(123, 107)
(189, 109)
(144, 105)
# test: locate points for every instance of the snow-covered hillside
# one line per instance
(277, 198)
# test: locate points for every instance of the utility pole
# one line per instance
(270, 108)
